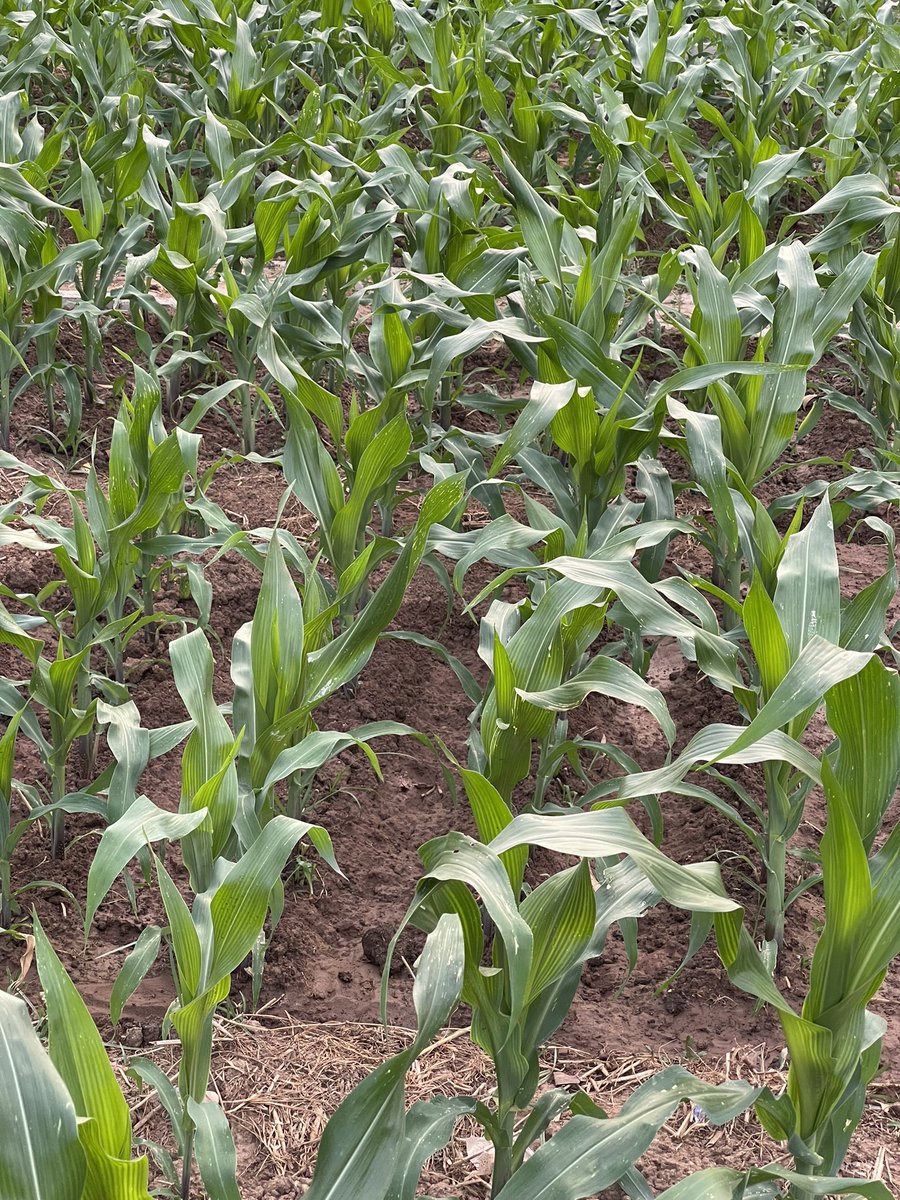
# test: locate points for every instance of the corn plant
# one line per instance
(539, 946)
(99, 203)
(187, 263)
(270, 670)
(7, 751)
(375, 454)
(835, 1041)
(583, 465)
(52, 688)
(805, 605)
(873, 329)
(69, 1124)
(249, 325)
(801, 643)
(14, 794)
(208, 941)
(12, 829)
(758, 412)
(107, 556)
(32, 271)
(541, 663)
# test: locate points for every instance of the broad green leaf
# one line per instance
(135, 967)
(767, 637)
(773, 414)
(182, 932)
(808, 594)
(384, 455)
(561, 913)
(589, 1154)
(40, 1154)
(428, 1128)
(364, 1142)
(77, 1051)
(214, 1148)
(459, 859)
(321, 745)
(492, 814)
(607, 677)
(240, 902)
(141, 825)
(611, 832)
(864, 713)
(819, 666)
(546, 401)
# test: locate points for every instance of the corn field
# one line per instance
(449, 483)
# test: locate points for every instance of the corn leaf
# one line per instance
(141, 825)
(41, 1157)
(77, 1051)
(365, 1140)
(589, 1154)
(214, 1147)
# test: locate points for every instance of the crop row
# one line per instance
(673, 230)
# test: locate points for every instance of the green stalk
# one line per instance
(503, 1145)
(58, 818)
(248, 428)
(796, 1191)
(5, 410)
(445, 405)
(87, 743)
(776, 854)
(173, 391)
(188, 1138)
(48, 400)
(194, 1080)
(147, 597)
(778, 823)
(91, 356)
(295, 798)
(5, 893)
(727, 576)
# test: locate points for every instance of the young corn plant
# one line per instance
(804, 607)
(874, 330)
(51, 689)
(542, 652)
(375, 455)
(208, 941)
(756, 402)
(249, 325)
(835, 1041)
(584, 459)
(13, 829)
(107, 552)
(186, 261)
(286, 662)
(31, 273)
(541, 661)
(801, 642)
(792, 318)
(101, 205)
(69, 1126)
(540, 943)
(270, 669)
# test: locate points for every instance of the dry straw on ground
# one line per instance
(279, 1081)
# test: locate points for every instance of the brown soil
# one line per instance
(317, 970)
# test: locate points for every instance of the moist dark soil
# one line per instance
(325, 961)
